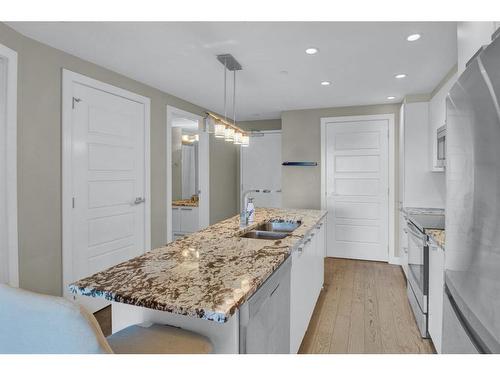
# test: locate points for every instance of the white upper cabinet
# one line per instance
(437, 118)
(419, 186)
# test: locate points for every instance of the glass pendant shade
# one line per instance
(245, 141)
(238, 138)
(219, 130)
(229, 136)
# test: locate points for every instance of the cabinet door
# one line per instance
(436, 290)
(176, 219)
(189, 219)
(321, 251)
(403, 244)
(297, 306)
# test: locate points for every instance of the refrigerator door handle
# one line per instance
(476, 341)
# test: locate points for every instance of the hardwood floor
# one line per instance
(363, 308)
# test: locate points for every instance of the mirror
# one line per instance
(185, 148)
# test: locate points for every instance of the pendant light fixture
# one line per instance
(238, 138)
(222, 127)
(229, 134)
(219, 129)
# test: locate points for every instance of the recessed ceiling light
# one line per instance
(401, 75)
(413, 37)
(326, 83)
(391, 97)
(312, 51)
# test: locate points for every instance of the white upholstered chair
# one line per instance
(39, 324)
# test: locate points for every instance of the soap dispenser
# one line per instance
(250, 211)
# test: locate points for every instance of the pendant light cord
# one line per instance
(225, 85)
(234, 97)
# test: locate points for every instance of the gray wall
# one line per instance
(301, 135)
(39, 156)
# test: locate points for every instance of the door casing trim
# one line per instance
(10, 130)
(204, 170)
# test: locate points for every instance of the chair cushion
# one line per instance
(32, 323)
(158, 339)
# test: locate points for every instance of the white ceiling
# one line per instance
(360, 58)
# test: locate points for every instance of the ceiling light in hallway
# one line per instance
(413, 37)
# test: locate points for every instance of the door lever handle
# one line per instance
(139, 200)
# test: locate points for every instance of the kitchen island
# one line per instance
(201, 281)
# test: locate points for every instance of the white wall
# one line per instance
(470, 37)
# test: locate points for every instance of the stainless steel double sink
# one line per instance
(272, 230)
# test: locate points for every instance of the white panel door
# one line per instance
(261, 168)
(357, 189)
(108, 169)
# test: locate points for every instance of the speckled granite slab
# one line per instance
(207, 274)
(438, 236)
(185, 203)
(422, 210)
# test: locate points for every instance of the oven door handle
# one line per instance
(415, 232)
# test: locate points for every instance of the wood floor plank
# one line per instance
(386, 309)
(357, 330)
(328, 315)
(340, 338)
(363, 308)
(372, 323)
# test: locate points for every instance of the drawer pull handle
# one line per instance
(274, 290)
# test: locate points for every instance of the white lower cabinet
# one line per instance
(306, 282)
(403, 244)
(184, 221)
(436, 290)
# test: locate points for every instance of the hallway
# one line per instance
(363, 308)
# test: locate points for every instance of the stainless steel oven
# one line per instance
(418, 275)
(441, 146)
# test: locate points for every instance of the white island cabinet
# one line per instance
(306, 282)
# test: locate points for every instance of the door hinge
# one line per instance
(73, 202)
(75, 100)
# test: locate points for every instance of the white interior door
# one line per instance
(357, 189)
(108, 162)
(261, 168)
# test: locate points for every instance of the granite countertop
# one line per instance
(438, 236)
(421, 210)
(207, 274)
(185, 203)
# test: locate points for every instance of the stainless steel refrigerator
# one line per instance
(471, 311)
